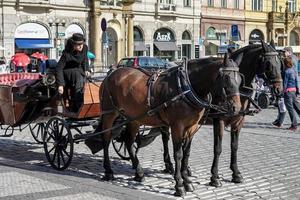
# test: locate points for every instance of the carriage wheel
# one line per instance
(37, 132)
(263, 100)
(58, 143)
(119, 142)
(120, 148)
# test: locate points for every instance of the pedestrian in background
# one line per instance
(290, 85)
(288, 52)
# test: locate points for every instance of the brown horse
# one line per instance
(178, 100)
(261, 60)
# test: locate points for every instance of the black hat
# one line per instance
(77, 38)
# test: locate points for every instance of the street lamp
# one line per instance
(57, 22)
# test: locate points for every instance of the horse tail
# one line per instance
(95, 143)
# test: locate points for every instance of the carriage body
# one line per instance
(16, 107)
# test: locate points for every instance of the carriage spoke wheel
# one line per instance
(121, 150)
(58, 143)
(37, 132)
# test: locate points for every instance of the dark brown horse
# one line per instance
(178, 100)
(261, 60)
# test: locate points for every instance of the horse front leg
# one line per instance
(185, 165)
(165, 136)
(218, 136)
(177, 138)
(131, 132)
(236, 174)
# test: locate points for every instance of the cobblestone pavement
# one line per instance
(268, 157)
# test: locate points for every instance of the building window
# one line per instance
(274, 5)
(210, 3)
(187, 3)
(292, 6)
(224, 3)
(236, 4)
(257, 5)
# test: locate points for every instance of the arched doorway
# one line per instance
(164, 44)
(110, 47)
(211, 42)
(294, 38)
(186, 44)
(139, 44)
(255, 36)
(32, 37)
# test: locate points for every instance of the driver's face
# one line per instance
(78, 47)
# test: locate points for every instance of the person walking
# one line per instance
(290, 85)
(71, 70)
(287, 52)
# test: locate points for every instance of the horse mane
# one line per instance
(245, 50)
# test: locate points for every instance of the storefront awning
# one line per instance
(215, 42)
(33, 43)
(166, 46)
(140, 46)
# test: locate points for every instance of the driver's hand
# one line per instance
(60, 89)
(87, 73)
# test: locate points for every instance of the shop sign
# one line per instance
(197, 51)
(256, 35)
(163, 37)
(31, 30)
(73, 28)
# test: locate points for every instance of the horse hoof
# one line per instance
(189, 187)
(215, 182)
(169, 170)
(108, 177)
(237, 178)
(139, 179)
(189, 172)
(180, 192)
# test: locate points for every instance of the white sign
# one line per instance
(254, 35)
(73, 28)
(31, 30)
(163, 38)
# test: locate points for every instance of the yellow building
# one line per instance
(273, 19)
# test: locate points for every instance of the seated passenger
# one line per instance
(71, 70)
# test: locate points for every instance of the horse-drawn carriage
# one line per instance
(183, 89)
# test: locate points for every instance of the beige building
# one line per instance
(41, 25)
(153, 28)
(273, 19)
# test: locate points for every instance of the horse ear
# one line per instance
(226, 62)
(272, 43)
(239, 59)
(264, 46)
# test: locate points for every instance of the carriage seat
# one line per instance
(18, 79)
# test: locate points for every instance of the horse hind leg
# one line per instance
(131, 132)
(218, 136)
(107, 122)
(236, 175)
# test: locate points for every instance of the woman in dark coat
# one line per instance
(71, 70)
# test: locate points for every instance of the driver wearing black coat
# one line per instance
(71, 70)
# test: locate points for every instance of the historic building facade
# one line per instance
(222, 24)
(167, 29)
(41, 25)
(273, 19)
